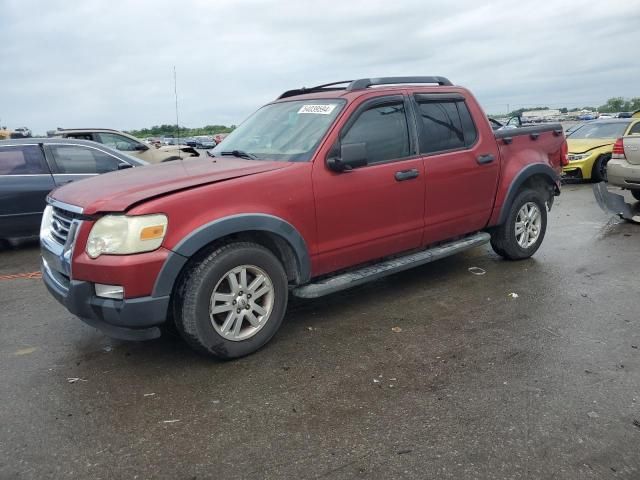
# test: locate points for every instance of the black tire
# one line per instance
(196, 288)
(503, 237)
(636, 194)
(599, 170)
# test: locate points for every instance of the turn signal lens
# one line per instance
(152, 232)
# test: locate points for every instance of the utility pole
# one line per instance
(175, 92)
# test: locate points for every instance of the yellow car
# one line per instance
(590, 147)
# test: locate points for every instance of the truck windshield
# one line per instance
(286, 131)
(600, 130)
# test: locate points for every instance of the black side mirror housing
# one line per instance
(124, 166)
(352, 155)
(141, 147)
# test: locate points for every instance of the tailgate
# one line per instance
(632, 149)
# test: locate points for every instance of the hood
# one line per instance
(580, 145)
(117, 191)
(172, 148)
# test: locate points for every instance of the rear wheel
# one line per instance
(636, 194)
(522, 233)
(232, 302)
(599, 170)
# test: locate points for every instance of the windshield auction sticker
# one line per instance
(317, 109)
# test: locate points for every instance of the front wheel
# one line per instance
(232, 302)
(599, 171)
(522, 233)
(636, 194)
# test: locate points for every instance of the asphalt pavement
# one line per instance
(528, 371)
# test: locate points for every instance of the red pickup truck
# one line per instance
(323, 189)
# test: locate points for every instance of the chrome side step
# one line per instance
(362, 275)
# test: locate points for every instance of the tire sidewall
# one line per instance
(523, 198)
(596, 176)
(209, 278)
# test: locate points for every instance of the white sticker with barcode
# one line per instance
(318, 109)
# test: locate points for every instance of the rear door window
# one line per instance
(384, 130)
(22, 160)
(76, 159)
(635, 130)
(119, 142)
(444, 125)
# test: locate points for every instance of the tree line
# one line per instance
(613, 105)
(180, 131)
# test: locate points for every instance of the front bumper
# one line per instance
(579, 169)
(128, 319)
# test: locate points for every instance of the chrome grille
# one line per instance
(61, 224)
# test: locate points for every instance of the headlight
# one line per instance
(122, 234)
(47, 218)
(574, 157)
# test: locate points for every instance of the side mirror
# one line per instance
(352, 155)
(141, 147)
(124, 166)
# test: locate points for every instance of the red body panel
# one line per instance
(344, 218)
(460, 192)
(117, 191)
(136, 273)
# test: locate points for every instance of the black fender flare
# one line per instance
(526, 173)
(222, 227)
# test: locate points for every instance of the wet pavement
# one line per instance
(432, 373)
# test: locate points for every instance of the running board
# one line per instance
(373, 272)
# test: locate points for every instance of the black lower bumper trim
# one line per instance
(128, 319)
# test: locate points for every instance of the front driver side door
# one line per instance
(378, 209)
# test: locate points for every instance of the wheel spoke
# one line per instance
(259, 280)
(243, 278)
(534, 214)
(519, 228)
(225, 307)
(253, 320)
(261, 292)
(233, 282)
(227, 323)
(223, 297)
(258, 309)
(238, 325)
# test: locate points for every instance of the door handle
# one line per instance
(488, 158)
(403, 175)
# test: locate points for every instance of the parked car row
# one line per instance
(31, 168)
(128, 143)
(591, 146)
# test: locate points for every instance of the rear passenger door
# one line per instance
(461, 164)
(75, 162)
(25, 181)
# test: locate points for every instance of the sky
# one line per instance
(96, 63)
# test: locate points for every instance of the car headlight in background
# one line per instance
(574, 157)
(122, 234)
(47, 220)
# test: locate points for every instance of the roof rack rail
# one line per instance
(318, 88)
(369, 82)
(363, 83)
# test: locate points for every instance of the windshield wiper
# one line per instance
(240, 154)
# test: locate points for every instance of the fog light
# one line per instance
(109, 291)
